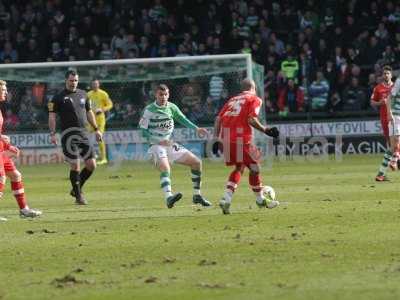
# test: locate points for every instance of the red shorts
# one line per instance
(246, 154)
(8, 163)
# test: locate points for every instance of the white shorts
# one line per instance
(173, 153)
(394, 127)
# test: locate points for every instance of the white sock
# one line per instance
(259, 197)
(228, 195)
(165, 182)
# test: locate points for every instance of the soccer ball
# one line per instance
(268, 192)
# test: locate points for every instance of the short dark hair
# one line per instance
(162, 87)
(69, 73)
(387, 68)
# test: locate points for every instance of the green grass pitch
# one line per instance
(336, 235)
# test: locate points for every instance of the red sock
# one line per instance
(19, 193)
(255, 182)
(233, 181)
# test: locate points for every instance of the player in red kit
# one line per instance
(233, 126)
(8, 169)
(378, 99)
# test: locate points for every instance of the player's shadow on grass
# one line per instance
(194, 214)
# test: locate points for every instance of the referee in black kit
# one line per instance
(73, 108)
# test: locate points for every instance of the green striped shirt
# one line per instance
(395, 99)
(157, 122)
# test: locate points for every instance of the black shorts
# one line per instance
(76, 145)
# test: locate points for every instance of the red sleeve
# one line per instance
(255, 106)
(375, 94)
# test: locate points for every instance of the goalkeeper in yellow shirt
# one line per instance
(101, 103)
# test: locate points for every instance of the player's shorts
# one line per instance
(173, 153)
(385, 128)
(394, 127)
(8, 163)
(246, 154)
(76, 145)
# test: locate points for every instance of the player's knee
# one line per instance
(196, 163)
(90, 165)
(162, 164)
(254, 173)
(163, 167)
(15, 176)
(239, 168)
(254, 170)
(74, 167)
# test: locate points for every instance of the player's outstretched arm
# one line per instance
(270, 131)
(202, 132)
(181, 118)
(178, 115)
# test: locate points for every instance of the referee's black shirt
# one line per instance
(71, 107)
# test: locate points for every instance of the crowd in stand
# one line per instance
(318, 55)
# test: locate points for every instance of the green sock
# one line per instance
(196, 180)
(165, 182)
(385, 162)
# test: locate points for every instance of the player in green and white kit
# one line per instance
(393, 111)
(157, 125)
